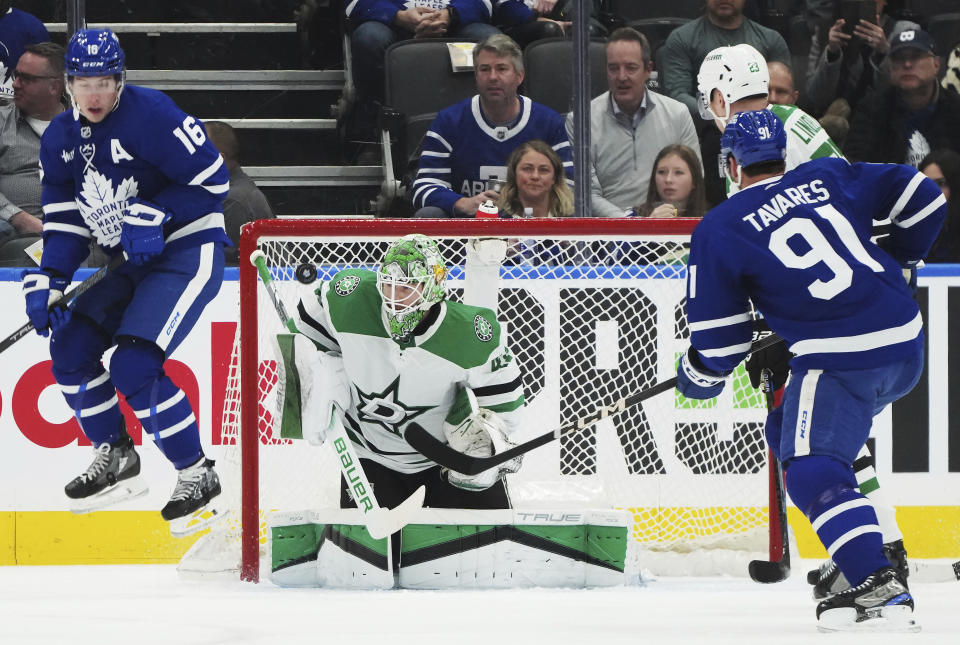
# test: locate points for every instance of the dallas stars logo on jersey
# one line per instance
(346, 285)
(483, 328)
(386, 410)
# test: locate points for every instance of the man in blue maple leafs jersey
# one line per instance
(798, 246)
(131, 171)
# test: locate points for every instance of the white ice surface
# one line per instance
(147, 604)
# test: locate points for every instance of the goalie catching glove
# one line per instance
(477, 432)
(317, 390)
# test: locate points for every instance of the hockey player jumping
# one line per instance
(129, 170)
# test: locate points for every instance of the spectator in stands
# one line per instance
(468, 144)
(853, 62)
(629, 124)
(723, 24)
(676, 185)
(914, 116)
(535, 183)
(17, 30)
(380, 23)
(782, 90)
(245, 202)
(38, 97)
(943, 167)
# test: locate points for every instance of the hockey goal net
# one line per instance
(594, 312)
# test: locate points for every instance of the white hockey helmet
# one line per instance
(736, 72)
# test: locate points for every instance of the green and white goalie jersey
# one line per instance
(393, 382)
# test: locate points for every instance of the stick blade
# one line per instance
(766, 572)
(384, 522)
(435, 450)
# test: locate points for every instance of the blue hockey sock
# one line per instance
(161, 406)
(75, 352)
(844, 520)
(94, 402)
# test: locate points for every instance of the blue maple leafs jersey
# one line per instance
(146, 148)
(461, 151)
(799, 247)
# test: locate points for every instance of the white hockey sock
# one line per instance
(867, 481)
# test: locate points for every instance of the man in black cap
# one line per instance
(912, 117)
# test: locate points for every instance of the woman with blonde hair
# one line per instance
(536, 184)
(676, 185)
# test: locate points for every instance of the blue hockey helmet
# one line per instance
(94, 52)
(753, 137)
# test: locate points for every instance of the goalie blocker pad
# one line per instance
(455, 549)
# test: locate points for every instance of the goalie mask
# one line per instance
(736, 72)
(752, 138)
(411, 279)
(92, 53)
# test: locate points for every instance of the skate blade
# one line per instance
(896, 618)
(119, 492)
(199, 519)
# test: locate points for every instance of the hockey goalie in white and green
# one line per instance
(389, 348)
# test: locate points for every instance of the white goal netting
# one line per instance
(594, 313)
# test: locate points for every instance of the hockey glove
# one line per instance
(316, 389)
(775, 358)
(40, 290)
(141, 235)
(696, 381)
(480, 435)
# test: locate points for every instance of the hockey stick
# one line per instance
(768, 571)
(435, 450)
(380, 522)
(65, 299)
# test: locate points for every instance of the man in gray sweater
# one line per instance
(722, 25)
(629, 125)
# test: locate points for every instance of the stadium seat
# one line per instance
(656, 30)
(926, 9)
(631, 10)
(549, 72)
(420, 82)
(945, 31)
(13, 254)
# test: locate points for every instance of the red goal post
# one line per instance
(594, 311)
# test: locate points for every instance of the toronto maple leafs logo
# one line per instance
(102, 207)
(6, 81)
(917, 148)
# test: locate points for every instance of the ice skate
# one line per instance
(827, 580)
(881, 603)
(113, 477)
(195, 503)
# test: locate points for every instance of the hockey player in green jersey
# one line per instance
(732, 80)
(388, 348)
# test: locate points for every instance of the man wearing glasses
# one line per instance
(914, 116)
(38, 97)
